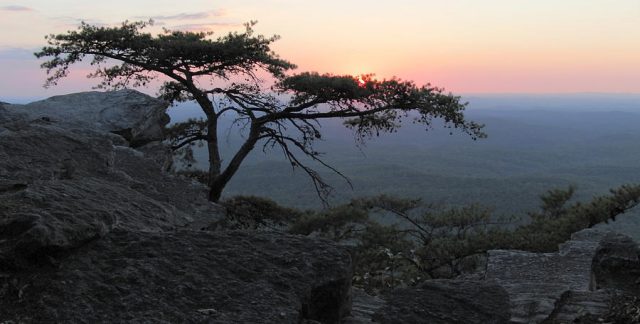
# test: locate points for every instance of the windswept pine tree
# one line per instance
(238, 74)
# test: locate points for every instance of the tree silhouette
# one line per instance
(239, 74)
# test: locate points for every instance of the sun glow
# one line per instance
(361, 81)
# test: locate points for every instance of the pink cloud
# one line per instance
(188, 16)
(204, 27)
(16, 8)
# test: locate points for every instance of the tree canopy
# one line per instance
(238, 74)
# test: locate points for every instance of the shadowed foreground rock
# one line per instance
(94, 230)
(63, 184)
(617, 264)
(447, 302)
(187, 277)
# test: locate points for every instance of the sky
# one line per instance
(464, 46)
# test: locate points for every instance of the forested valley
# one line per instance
(535, 143)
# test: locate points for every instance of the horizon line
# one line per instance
(462, 94)
(621, 93)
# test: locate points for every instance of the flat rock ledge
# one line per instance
(557, 287)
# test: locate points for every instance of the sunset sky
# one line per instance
(465, 46)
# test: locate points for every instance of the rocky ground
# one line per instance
(574, 285)
(186, 277)
(94, 229)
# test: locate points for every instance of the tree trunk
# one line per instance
(218, 179)
(215, 191)
(215, 163)
(217, 184)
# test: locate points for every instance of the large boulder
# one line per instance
(63, 183)
(617, 264)
(187, 277)
(137, 117)
(59, 190)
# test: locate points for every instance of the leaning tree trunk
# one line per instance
(218, 181)
(215, 164)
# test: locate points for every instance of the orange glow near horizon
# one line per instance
(464, 46)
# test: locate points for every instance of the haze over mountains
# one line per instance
(535, 143)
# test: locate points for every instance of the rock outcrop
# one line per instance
(536, 281)
(575, 284)
(580, 279)
(92, 229)
(137, 117)
(63, 184)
